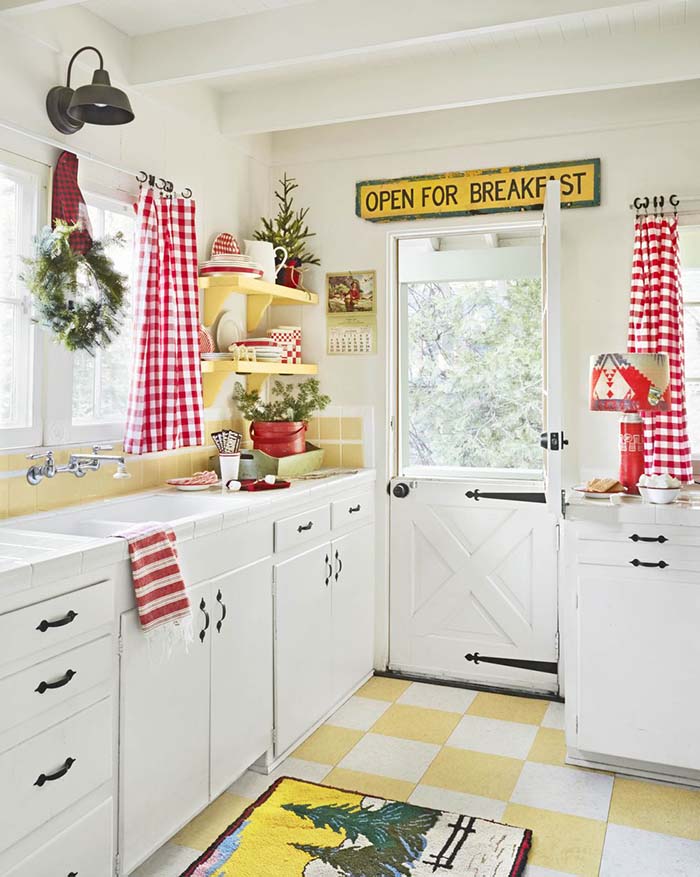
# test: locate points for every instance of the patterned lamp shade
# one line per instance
(630, 382)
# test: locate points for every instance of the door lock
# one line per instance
(401, 490)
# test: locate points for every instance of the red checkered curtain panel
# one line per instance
(165, 396)
(656, 326)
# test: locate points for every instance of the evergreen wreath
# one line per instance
(61, 282)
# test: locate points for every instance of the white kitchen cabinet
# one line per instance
(352, 608)
(241, 672)
(303, 629)
(164, 732)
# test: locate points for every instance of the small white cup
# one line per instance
(230, 464)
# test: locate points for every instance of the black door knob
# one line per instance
(401, 490)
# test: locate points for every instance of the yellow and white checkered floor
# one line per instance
(489, 755)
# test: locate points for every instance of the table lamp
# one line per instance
(630, 383)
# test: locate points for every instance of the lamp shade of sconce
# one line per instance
(630, 382)
(99, 103)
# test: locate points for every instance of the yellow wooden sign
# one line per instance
(464, 193)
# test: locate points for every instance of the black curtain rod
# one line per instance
(165, 186)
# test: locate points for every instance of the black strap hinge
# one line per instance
(538, 666)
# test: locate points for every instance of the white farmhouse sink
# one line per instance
(109, 517)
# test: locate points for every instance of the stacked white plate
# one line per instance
(265, 349)
(223, 264)
(215, 356)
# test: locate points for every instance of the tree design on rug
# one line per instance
(391, 838)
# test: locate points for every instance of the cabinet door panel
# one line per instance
(638, 659)
(303, 644)
(241, 672)
(164, 726)
(352, 609)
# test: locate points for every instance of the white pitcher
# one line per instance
(264, 254)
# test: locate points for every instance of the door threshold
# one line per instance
(471, 686)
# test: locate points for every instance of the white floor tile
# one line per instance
(169, 861)
(554, 717)
(457, 802)
(631, 852)
(390, 757)
(359, 713)
(437, 697)
(252, 785)
(565, 789)
(494, 736)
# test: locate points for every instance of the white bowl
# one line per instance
(659, 495)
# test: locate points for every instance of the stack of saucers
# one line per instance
(266, 350)
(214, 356)
(226, 264)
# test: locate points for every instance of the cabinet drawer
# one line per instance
(54, 622)
(52, 682)
(664, 557)
(85, 848)
(353, 510)
(46, 774)
(299, 529)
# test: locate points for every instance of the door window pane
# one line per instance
(472, 362)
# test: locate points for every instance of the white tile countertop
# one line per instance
(36, 550)
(685, 511)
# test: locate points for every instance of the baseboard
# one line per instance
(659, 773)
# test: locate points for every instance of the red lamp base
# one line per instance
(631, 451)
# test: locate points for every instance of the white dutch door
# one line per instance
(475, 506)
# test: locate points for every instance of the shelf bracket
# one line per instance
(257, 305)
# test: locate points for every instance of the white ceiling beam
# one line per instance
(292, 36)
(430, 83)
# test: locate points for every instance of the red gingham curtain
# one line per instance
(165, 396)
(656, 326)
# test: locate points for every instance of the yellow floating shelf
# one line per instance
(214, 373)
(260, 296)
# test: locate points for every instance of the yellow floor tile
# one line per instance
(328, 744)
(508, 708)
(655, 807)
(369, 784)
(563, 843)
(381, 688)
(211, 822)
(549, 747)
(416, 723)
(491, 776)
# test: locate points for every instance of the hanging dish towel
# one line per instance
(68, 204)
(161, 597)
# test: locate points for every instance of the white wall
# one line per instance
(647, 141)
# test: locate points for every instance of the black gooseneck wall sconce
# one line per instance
(99, 103)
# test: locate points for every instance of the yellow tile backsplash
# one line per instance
(330, 428)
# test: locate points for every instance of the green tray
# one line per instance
(293, 466)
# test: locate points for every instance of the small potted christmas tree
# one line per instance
(289, 230)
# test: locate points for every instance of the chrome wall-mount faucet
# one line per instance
(78, 464)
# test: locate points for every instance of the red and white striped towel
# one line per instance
(161, 596)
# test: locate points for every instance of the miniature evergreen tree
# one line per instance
(288, 228)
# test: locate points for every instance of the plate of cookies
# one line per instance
(600, 488)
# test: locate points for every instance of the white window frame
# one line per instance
(34, 178)
(398, 349)
(690, 221)
(60, 428)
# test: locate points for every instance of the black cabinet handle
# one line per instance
(72, 874)
(636, 538)
(354, 508)
(660, 565)
(330, 570)
(59, 683)
(340, 566)
(203, 631)
(301, 528)
(61, 622)
(221, 603)
(50, 777)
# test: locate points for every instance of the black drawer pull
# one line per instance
(73, 874)
(301, 528)
(59, 683)
(61, 622)
(661, 539)
(354, 508)
(330, 570)
(221, 603)
(203, 631)
(660, 565)
(50, 777)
